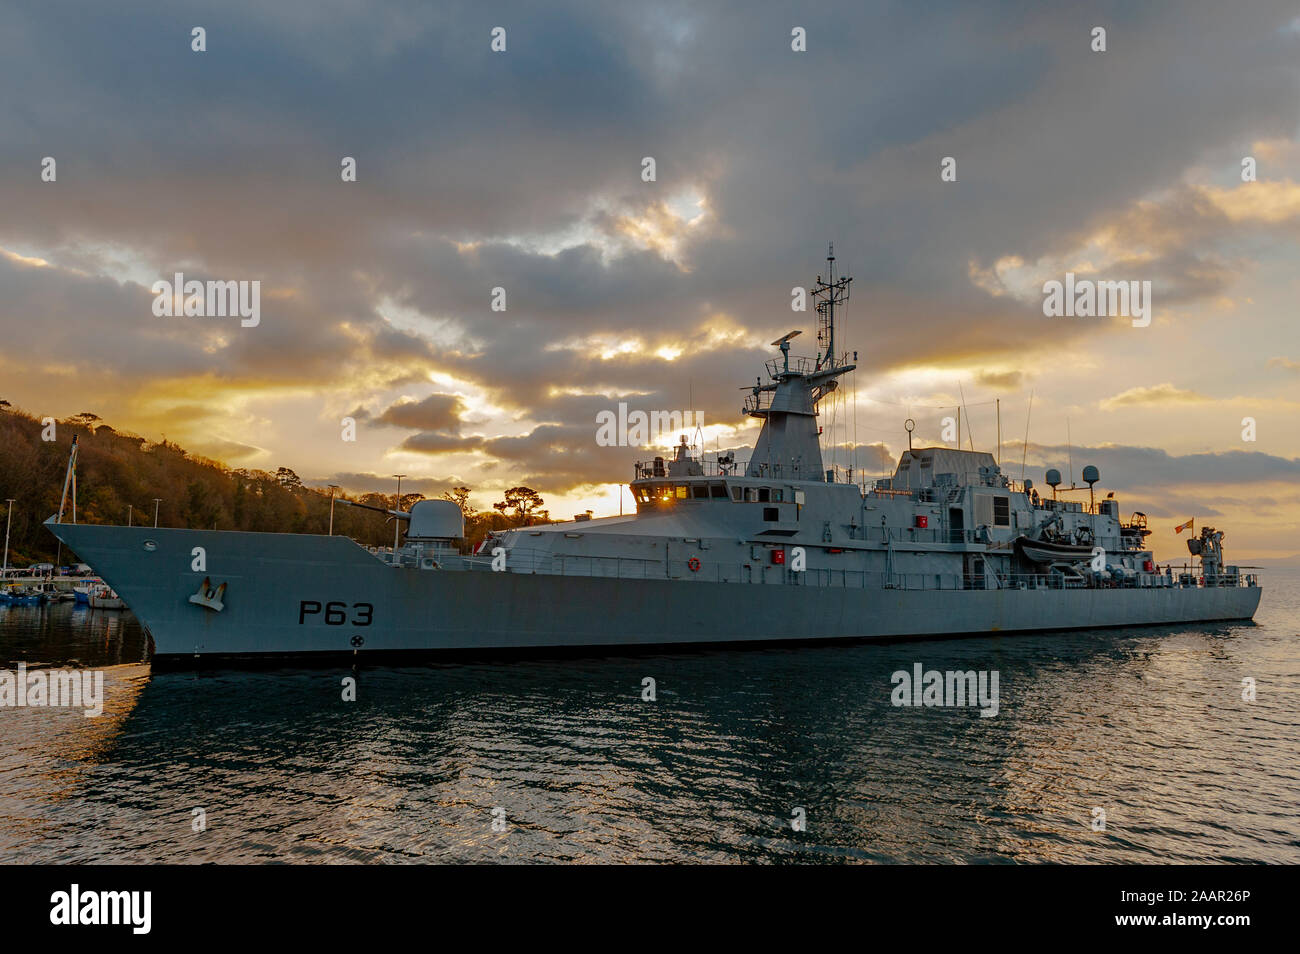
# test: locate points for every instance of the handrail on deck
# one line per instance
(677, 566)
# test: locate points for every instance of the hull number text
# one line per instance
(336, 613)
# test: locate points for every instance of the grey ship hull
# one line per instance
(279, 586)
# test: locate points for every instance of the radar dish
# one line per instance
(780, 341)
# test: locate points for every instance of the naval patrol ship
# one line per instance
(776, 548)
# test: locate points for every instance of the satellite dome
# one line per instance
(1091, 474)
(1053, 477)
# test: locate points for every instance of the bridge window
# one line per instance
(738, 494)
(682, 491)
(654, 494)
(699, 491)
(718, 491)
(764, 494)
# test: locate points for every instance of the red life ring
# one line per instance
(693, 563)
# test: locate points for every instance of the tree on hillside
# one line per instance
(288, 478)
(120, 473)
(522, 504)
(408, 501)
(460, 497)
(199, 511)
(238, 502)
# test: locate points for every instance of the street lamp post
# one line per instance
(397, 524)
(129, 508)
(156, 502)
(332, 489)
(4, 569)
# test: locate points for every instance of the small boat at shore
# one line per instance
(54, 593)
(103, 597)
(21, 596)
(81, 591)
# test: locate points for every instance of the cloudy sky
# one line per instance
(522, 170)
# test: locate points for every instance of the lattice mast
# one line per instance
(827, 294)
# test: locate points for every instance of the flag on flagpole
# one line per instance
(1184, 526)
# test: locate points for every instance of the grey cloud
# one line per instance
(437, 442)
(1150, 467)
(437, 412)
(226, 164)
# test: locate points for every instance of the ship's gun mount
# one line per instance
(399, 514)
(434, 531)
(436, 521)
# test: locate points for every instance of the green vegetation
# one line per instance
(117, 471)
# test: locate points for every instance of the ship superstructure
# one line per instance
(718, 551)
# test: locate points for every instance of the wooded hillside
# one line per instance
(117, 471)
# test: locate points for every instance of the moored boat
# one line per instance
(81, 591)
(719, 551)
(103, 597)
(22, 596)
(53, 593)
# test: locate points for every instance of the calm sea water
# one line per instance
(1148, 725)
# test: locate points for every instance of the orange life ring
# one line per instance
(693, 563)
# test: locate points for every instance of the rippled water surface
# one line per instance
(1148, 725)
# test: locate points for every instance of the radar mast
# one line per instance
(828, 294)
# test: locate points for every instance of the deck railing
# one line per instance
(545, 562)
